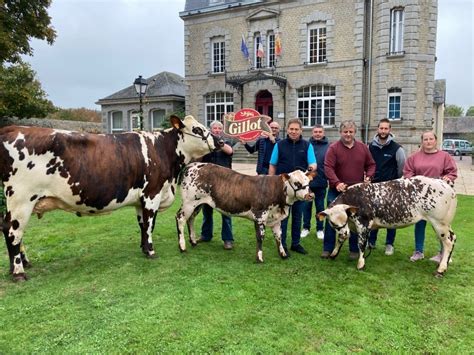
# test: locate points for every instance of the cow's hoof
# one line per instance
(193, 244)
(438, 275)
(332, 257)
(361, 268)
(19, 277)
(259, 261)
(284, 256)
(151, 256)
(182, 250)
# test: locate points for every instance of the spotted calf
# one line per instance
(266, 200)
(394, 204)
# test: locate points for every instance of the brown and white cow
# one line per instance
(266, 200)
(394, 204)
(45, 169)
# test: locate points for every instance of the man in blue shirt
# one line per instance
(288, 155)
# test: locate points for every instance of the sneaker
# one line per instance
(320, 235)
(353, 255)
(325, 254)
(389, 249)
(228, 245)
(298, 249)
(304, 233)
(417, 255)
(437, 258)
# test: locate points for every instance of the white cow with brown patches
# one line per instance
(264, 199)
(394, 204)
(89, 174)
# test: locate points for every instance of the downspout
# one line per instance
(369, 75)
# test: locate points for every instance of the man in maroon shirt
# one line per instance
(347, 162)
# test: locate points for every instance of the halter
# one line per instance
(297, 189)
(203, 137)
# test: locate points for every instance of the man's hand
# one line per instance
(341, 187)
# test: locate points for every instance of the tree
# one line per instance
(470, 111)
(20, 21)
(21, 94)
(453, 111)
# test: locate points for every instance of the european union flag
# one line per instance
(244, 49)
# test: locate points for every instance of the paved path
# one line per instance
(464, 183)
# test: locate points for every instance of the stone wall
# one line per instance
(81, 126)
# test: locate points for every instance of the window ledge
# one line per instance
(318, 64)
(394, 120)
(264, 69)
(215, 74)
(395, 54)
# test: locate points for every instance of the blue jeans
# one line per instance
(319, 197)
(330, 234)
(388, 241)
(208, 225)
(420, 228)
(296, 213)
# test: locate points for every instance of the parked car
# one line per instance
(457, 146)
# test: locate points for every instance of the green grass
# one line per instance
(91, 290)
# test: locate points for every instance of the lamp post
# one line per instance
(140, 87)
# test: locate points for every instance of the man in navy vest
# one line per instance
(389, 159)
(318, 185)
(290, 154)
(264, 147)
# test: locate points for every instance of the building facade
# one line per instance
(323, 61)
(164, 96)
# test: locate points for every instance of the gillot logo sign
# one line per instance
(246, 124)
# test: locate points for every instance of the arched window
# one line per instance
(116, 122)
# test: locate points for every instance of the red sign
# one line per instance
(246, 124)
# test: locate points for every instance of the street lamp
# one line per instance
(140, 87)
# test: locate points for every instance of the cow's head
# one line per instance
(197, 139)
(338, 217)
(297, 185)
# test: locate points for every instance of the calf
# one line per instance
(45, 169)
(264, 199)
(394, 204)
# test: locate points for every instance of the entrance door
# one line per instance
(264, 103)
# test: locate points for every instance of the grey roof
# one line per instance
(162, 84)
(205, 4)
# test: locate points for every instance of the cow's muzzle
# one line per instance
(218, 142)
(309, 197)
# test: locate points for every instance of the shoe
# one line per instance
(202, 240)
(417, 255)
(353, 255)
(325, 254)
(437, 258)
(389, 249)
(298, 249)
(320, 235)
(228, 245)
(372, 246)
(304, 233)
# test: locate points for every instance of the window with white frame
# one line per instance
(317, 105)
(317, 43)
(396, 30)
(271, 49)
(394, 104)
(135, 121)
(218, 104)
(218, 55)
(116, 122)
(258, 51)
(157, 119)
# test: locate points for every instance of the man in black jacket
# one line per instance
(389, 159)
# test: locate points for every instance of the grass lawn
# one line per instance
(91, 290)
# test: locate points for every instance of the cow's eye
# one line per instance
(198, 131)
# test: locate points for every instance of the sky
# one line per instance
(103, 45)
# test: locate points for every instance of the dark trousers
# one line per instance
(296, 213)
(388, 241)
(319, 198)
(208, 225)
(330, 234)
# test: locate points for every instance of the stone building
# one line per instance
(320, 60)
(164, 95)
